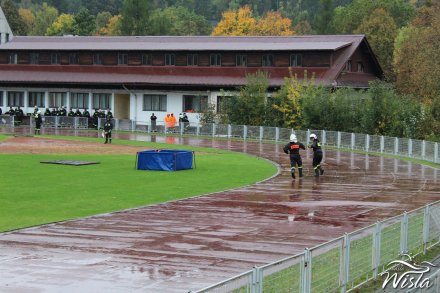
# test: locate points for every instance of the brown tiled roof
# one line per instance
(193, 43)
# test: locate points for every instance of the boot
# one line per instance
(316, 172)
(293, 175)
(292, 171)
(321, 171)
(110, 140)
(106, 141)
(300, 170)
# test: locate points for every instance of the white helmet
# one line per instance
(293, 138)
(313, 136)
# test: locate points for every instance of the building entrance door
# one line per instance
(122, 106)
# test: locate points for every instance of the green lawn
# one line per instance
(34, 193)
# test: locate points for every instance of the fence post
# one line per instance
(182, 127)
(213, 129)
(75, 122)
(426, 218)
(436, 152)
(376, 250)
(229, 130)
(404, 234)
(345, 266)
(198, 129)
(277, 134)
(306, 272)
(57, 121)
(117, 124)
(367, 143)
(353, 141)
(396, 145)
(257, 280)
(338, 140)
(261, 132)
(308, 134)
(244, 132)
(410, 147)
(323, 137)
(423, 149)
(382, 144)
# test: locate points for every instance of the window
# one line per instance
(215, 60)
(36, 99)
(79, 100)
(192, 59)
(241, 60)
(360, 67)
(1, 99)
(267, 60)
(146, 59)
(122, 59)
(295, 60)
(170, 59)
(155, 103)
(13, 58)
(194, 104)
(15, 99)
(101, 101)
(57, 100)
(55, 58)
(220, 103)
(73, 58)
(7, 37)
(34, 58)
(348, 66)
(97, 59)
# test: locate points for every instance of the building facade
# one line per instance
(136, 76)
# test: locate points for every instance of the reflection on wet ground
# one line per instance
(186, 245)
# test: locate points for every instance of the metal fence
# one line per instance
(339, 265)
(345, 263)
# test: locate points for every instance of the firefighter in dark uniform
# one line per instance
(11, 112)
(109, 114)
(71, 113)
(78, 113)
(108, 126)
(86, 113)
(62, 112)
(317, 154)
(38, 120)
(293, 148)
(54, 112)
(47, 112)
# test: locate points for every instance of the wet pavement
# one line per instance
(186, 245)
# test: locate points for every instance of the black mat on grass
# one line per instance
(69, 162)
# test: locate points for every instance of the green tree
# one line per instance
(16, 23)
(44, 17)
(249, 107)
(84, 22)
(324, 18)
(63, 25)
(381, 32)
(102, 18)
(135, 17)
(178, 21)
(28, 18)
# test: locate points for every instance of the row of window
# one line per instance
(348, 66)
(57, 99)
(169, 59)
(190, 103)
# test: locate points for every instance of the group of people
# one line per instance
(293, 147)
(170, 121)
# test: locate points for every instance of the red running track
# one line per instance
(189, 244)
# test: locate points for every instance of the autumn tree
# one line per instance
(63, 25)
(273, 24)
(236, 23)
(28, 18)
(101, 20)
(417, 64)
(381, 31)
(135, 17)
(113, 27)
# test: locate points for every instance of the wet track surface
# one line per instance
(189, 244)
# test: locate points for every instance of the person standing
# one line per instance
(108, 127)
(153, 119)
(47, 112)
(293, 148)
(317, 154)
(38, 120)
(109, 114)
(78, 113)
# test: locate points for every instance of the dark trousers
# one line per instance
(295, 160)
(37, 127)
(108, 137)
(317, 158)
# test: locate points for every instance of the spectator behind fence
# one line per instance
(47, 112)
(153, 119)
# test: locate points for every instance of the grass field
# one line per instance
(34, 193)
